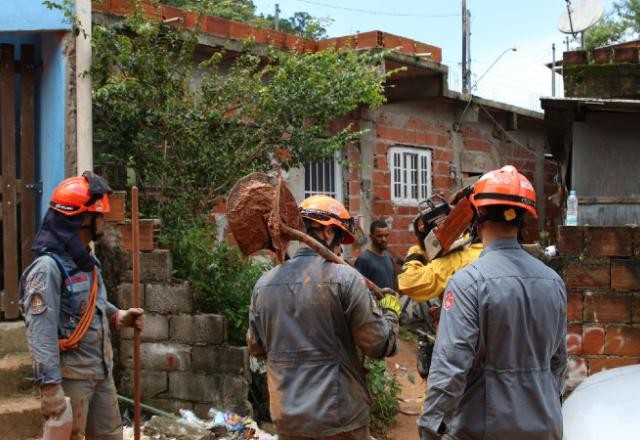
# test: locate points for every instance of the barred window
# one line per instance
(323, 177)
(410, 174)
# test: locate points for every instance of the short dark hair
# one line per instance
(377, 224)
(501, 214)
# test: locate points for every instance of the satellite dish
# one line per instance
(581, 16)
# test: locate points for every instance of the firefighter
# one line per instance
(314, 320)
(500, 356)
(424, 281)
(67, 314)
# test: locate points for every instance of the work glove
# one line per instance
(52, 402)
(130, 318)
(390, 301)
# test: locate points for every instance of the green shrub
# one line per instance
(221, 280)
(385, 390)
(186, 142)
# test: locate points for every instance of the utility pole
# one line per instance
(276, 20)
(553, 69)
(465, 41)
(469, 50)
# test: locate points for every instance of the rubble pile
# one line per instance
(221, 426)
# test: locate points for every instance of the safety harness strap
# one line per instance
(78, 333)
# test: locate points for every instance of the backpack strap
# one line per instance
(78, 333)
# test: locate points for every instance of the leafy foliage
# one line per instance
(619, 24)
(300, 23)
(240, 10)
(222, 282)
(385, 391)
(192, 141)
(187, 131)
(629, 12)
(607, 31)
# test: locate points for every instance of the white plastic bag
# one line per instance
(59, 428)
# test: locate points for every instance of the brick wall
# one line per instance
(601, 269)
(431, 127)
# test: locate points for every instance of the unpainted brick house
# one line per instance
(428, 139)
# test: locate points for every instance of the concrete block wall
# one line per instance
(186, 362)
(601, 270)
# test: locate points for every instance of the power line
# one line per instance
(365, 11)
(506, 133)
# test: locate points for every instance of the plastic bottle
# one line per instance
(59, 428)
(572, 209)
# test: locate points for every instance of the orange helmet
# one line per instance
(328, 211)
(74, 195)
(505, 186)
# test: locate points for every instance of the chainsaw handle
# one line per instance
(326, 254)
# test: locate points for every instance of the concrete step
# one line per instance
(13, 338)
(20, 417)
(15, 369)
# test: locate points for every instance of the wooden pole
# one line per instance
(135, 260)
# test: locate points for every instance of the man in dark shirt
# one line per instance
(376, 263)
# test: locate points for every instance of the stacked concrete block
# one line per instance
(186, 363)
(20, 416)
(601, 270)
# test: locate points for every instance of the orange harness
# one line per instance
(79, 332)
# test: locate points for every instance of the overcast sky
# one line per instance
(518, 78)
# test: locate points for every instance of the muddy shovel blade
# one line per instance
(250, 212)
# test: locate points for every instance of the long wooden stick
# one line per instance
(325, 253)
(135, 263)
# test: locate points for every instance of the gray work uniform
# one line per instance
(85, 372)
(500, 356)
(314, 320)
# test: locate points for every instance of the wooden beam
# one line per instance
(9, 217)
(608, 200)
(27, 152)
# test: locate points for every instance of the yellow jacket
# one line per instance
(424, 282)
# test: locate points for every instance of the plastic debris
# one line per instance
(222, 425)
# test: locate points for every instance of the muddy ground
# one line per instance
(403, 366)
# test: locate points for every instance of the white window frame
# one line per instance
(410, 181)
(334, 189)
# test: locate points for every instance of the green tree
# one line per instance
(619, 24)
(300, 23)
(188, 131)
(201, 139)
(608, 31)
(240, 10)
(629, 13)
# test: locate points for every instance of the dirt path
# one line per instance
(403, 366)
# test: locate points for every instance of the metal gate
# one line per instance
(17, 139)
